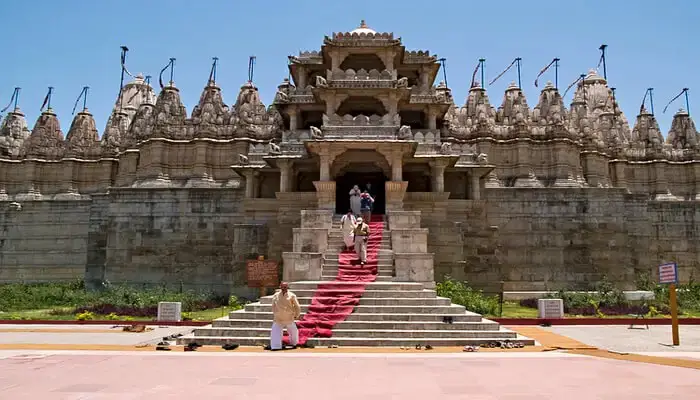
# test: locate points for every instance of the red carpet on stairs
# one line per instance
(334, 301)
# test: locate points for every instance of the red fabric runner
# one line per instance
(334, 301)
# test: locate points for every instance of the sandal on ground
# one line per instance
(229, 346)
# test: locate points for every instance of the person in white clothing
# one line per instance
(347, 227)
(285, 310)
(355, 203)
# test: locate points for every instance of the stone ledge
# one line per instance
(299, 266)
(415, 267)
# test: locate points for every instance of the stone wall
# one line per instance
(548, 239)
(178, 238)
(43, 241)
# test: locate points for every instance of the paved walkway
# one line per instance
(620, 338)
(503, 376)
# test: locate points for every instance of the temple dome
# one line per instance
(364, 29)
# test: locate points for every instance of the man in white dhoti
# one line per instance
(361, 237)
(347, 227)
(285, 309)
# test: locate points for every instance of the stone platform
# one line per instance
(391, 312)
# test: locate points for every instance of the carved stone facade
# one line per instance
(496, 187)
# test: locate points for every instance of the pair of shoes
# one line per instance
(163, 346)
(229, 346)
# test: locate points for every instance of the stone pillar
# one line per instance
(301, 75)
(395, 192)
(285, 166)
(299, 266)
(475, 186)
(325, 191)
(437, 172)
(403, 219)
(415, 267)
(432, 119)
(324, 166)
(251, 184)
(396, 167)
(293, 121)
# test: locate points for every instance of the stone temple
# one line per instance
(539, 198)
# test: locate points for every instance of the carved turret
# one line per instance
(476, 116)
(646, 133)
(170, 115)
(252, 119)
(82, 140)
(13, 134)
(46, 140)
(363, 35)
(133, 94)
(141, 127)
(116, 132)
(550, 115)
(514, 111)
(601, 111)
(683, 134)
(210, 114)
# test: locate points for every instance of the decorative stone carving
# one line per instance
(274, 148)
(550, 115)
(596, 101)
(83, 140)
(646, 132)
(243, 159)
(683, 134)
(321, 82)
(514, 112)
(446, 148)
(170, 115)
(316, 133)
(476, 116)
(252, 119)
(405, 133)
(361, 120)
(13, 134)
(46, 140)
(141, 127)
(117, 130)
(210, 114)
(132, 95)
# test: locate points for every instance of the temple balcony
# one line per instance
(435, 95)
(294, 95)
(360, 79)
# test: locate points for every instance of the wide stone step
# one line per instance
(354, 317)
(337, 233)
(368, 325)
(384, 263)
(377, 278)
(390, 309)
(362, 333)
(369, 301)
(313, 285)
(388, 294)
(381, 258)
(355, 342)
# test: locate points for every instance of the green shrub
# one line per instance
(474, 300)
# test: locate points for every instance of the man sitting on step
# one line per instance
(285, 309)
(361, 236)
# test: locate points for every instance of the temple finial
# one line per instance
(363, 24)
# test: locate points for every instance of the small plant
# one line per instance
(113, 317)
(85, 316)
(474, 300)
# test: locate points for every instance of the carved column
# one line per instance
(293, 121)
(395, 192)
(301, 77)
(324, 166)
(432, 119)
(437, 172)
(285, 166)
(475, 186)
(251, 184)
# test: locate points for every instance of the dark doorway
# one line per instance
(345, 182)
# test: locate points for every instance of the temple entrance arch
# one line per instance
(360, 167)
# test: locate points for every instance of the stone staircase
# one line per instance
(390, 313)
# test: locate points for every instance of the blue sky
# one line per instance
(69, 44)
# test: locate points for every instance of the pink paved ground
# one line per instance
(239, 377)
